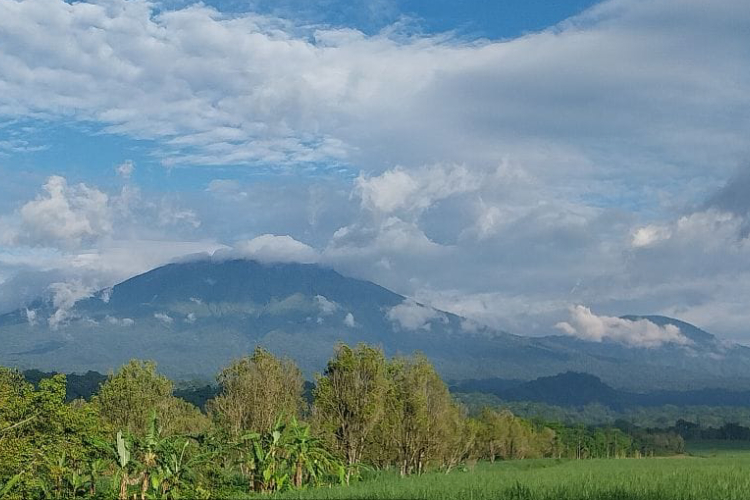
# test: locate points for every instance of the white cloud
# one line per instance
(65, 214)
(326, 306)
(411, 315)
(392, 235)
(190, 318)
(125, 169)
(64, 297)
(349, 320)
(706, 228)
(124, 322)
(173, 215)
(650, 235)
(586, 325)
(273, 248)
(216, 88)
(164, 318)
(31, 316)
(416, 190)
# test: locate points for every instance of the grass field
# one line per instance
(711, 472)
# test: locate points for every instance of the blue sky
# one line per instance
(504, 160)
(471, 18)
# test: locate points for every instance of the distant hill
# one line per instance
(571, 389)
(78, 386)
(195, 317)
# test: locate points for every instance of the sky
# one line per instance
(518, 162)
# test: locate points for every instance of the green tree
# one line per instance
(129, 397)
(255, 390)
(42, 437)
(349, 399)
(420, 408)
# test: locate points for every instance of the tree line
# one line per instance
(260, 434)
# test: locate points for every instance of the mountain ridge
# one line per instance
(194, 317)
(574, 389)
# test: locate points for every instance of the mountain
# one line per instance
(572, 389)
(195, 317)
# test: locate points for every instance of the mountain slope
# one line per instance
(195, 317)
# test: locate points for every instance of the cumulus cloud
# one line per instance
(273, 248)
(411, 315)
(416, 190)
(65, 214)
(586, 325)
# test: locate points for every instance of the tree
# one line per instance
(42, 437)
(349, 399)
(128, 398)
(255, 390)
(420, 408)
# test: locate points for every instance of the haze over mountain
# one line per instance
(194, 317)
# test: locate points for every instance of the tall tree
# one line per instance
(420, 410)
(255, 391)
(350, 397)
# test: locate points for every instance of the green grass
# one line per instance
(719, 448)
(719, 477)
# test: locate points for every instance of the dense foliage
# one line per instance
(135, 439)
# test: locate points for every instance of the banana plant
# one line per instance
(77, 483)
(96, 470)
(265, 460)
(166, 464)
(125, 463)
(177, 468)
(52, 479)
(308, 455)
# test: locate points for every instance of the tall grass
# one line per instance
(719, 477)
